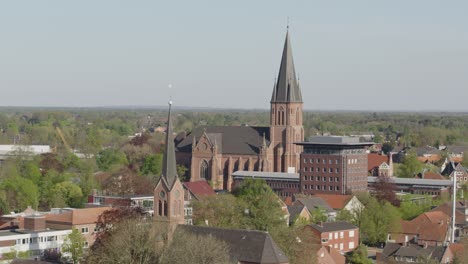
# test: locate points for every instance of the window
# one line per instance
(341, 234)
(351, 245)
(305, 178)
(337, 170)
(336, 235)
(336, 246)
(84, 230)
(330, 162)
(305, 169)
(324, 161)
(351, 233)
(311, 160)
(86, 244)
(336, 161)
(341, 246)
(337, 179)
(204, 171)
(330, 188)
(305, 160)
(324, 169)
(305, 187)
(331, 170)
(330, 236)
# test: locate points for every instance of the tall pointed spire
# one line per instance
(169, 169)
(287, 87)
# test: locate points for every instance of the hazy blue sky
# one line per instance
(356, 55)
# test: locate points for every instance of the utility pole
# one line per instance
(454, 201)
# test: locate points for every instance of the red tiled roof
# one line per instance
(432, 226)
(78, 216)
(447, 209)
(433, 176)
(199, 188)
(374, 160)
(335, 201)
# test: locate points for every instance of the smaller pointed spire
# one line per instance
(169, 169)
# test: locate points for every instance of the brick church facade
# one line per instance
(213, 153)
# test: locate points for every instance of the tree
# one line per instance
(181, 171)
(410, 166)
(70, 193)
(378, 219)
(107, 158)
(152, 164)
(74, 244)
(198, 249)
(385, 190)
(318, 215)
(20, 193)
(263, 205)
(359, 256)
(222, 210)
(131, 240)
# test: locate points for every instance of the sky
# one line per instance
(370, 55)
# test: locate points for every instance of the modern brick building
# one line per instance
(283, 184)
(334, 165)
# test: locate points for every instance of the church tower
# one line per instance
(286, 115)
(169, 193)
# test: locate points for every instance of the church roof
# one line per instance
(169, 168)
(246, 246)
(287, 87)
(230, 139)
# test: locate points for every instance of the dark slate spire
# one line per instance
(169, 169)
(287, 87)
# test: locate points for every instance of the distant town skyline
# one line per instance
(356, 55)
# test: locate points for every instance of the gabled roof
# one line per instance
(248, 246)
(432, 226)
(199, 188)
(230, 139)
(374, 160)
(333, 226)
(312, 203)
(287, 87)
(294, 211)
(335, 201)
(446, 208)
(430, 176)
(77, 216)
(329, 255)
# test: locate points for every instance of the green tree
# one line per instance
(379, 218)
(359, 256)
(318, 215)
(20, 193)
(222, 210)
(70, 192)
(263, 205)
(152, 165)
(73, 245)
(410, 166)
(106, 158)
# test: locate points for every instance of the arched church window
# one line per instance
(204, 170)
(165, 208)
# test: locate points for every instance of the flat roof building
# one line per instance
(333, 165)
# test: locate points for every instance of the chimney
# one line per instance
(34, 222)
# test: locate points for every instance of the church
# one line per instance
(213, 153)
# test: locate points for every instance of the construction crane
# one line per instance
(59, 132)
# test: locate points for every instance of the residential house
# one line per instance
(461, 216)
(245, 246)
(430, 176)
(379, 165)
(428, 229)
(82, 219)
(313, 204)
(428, 154)
(342, 236)
(414, 253)
(461, 173)
(298, 213)
(328, 255)
(194, 191)
(456, 153)
(339, 202)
